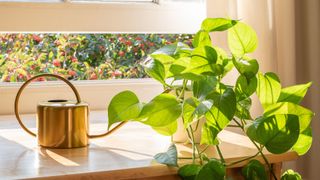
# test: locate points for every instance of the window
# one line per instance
(79, 56)
(94, 18)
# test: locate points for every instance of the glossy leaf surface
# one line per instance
(124, 106)
(163, 110)
(254, 170)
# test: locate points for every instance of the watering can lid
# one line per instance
(62, 103)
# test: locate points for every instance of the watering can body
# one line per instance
(62, 124)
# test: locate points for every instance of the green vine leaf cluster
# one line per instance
(192, 77)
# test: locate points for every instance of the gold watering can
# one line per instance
(61, 123)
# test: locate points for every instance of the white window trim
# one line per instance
(164, 17)
(69, 16)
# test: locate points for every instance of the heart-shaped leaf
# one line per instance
(242, 39)
(304, 142)
(217, 24)
(277, 133)
(194, 109)
(167, 130)
(214, 169)
(204, 86)
(123, 106)
(268, 89)
(254, 170)
(291, 175)
(304, 114)
(245, 87)
(243, 109)
(223, 109)
(209, 134)
(202, 61)
(179, 66)
(202, 38)
(169, 158)
(166, 61)
(168, 50)
(189, 171)
(294, 94)
(249, 68)
(161, 111)
(155, 69)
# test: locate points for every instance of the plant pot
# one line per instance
(181, 136)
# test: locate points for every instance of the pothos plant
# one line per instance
(200, 69)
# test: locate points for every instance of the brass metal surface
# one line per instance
(62, 125)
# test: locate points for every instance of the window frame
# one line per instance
(28, 17)
(71, 16)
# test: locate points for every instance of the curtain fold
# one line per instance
(289, 44)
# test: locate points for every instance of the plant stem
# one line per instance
(259, 149)
(193, 147)
(184, 157)
(204, 149)
(250, 157)
(233, 126)
(198, 121)
(220, 154)
(184, 85)
(194, 144)
(238, 123)
(265, 159)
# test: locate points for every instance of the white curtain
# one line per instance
(289, 44)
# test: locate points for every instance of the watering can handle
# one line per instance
(16, 102)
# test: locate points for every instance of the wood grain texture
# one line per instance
(126, 154)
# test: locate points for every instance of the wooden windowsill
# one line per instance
(126, 154)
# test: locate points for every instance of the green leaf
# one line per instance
(248, 68)
(156, 70)
(202, 61)
(204, 86)
(242, 39)
(194, 109)
(167, 130)
(291, 175)
(243, 109)
(189, 171)
(166, 61)
(277, 133)
(163, 110)
(123, 106)
(209, 134)
(294, 94)
(179, 66)
(175, 50)
(168, 50)
(245, 87)
(223, 109)
(268, 89)
(304, 114)
(202, 38)
(214, 169)
(254, 170)
(224, 61)
(169, 158)
(304, 142)
(217, 24)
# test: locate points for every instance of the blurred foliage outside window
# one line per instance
(79, 56)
